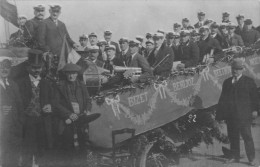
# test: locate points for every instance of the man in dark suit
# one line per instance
(149, 48)
(185, 23)
(176, 27)
(52, 32)
(238, 104)
(36, 94)
(200, 23)
(32, 25)
(125, 51)
(107, 37)
(225, 17)
(162, 56)
(112, 59)
(233, 39)
(188, 52)
(83, 40)
(175, 43)
(215, 34)
(250, 35)
(241, 25)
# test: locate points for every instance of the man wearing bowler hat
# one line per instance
(107, 37)
(72, 104)
(52, 32)
(238, 105)
(250, 35)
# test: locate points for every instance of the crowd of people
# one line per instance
(38, 114)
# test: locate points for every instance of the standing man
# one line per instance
(233, 39)
(108, 36)
(52, 32)
(241, 25)
(17, 39)
(250, 36)
(185, 23)
(175, 43)
(32, 25)
(169, 39)
(177, 27)
(225, 17)
(238, 104)
(83, 40)
(200, 23)
(215, 34)
(149, 48)
(124, 46)
(93, 39)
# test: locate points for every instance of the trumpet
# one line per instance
(233, 49)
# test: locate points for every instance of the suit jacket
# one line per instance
(239, 31)
(50, 36)
(165, 67)
(117, 47)
(63, 104)
(31, 28)
(222, 40)
(124, 57)
(250, 37)
(115, 61)
(188, 54)
(235, 40)
(237, 101)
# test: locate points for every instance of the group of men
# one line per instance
(45, 106)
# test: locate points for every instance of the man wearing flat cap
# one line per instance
(241, 25)
(215, 34)
(93, 39)
(250, 35)
(200, 23)
(52, 32)
(149, 48)
(94, 53)
(232, 38)
(32, 25)
(169, 39)
(162, 56)
(112, 59)
(72, 103)
(225, 17)
(125, 51)
(175, 43)
(188, 51)
(185, 23)
(176, 27)
(102, 52)
(149, 36)
(10, 116)
(238, 104)
(107, 37)
(37, 98)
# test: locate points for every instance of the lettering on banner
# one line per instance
(161, 88)
(138, 99)
(183, 84)
(254, 61)
(222, 71)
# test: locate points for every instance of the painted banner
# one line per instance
(158, 104)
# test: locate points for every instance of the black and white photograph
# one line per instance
(129, 83)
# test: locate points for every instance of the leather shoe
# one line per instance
(252, 163)
(232, 160)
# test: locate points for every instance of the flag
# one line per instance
(9, 12)
(67, 54)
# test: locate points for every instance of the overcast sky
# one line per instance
(128, 18)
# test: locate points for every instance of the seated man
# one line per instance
(72, 103)
(112, 59)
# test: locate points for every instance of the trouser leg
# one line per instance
(233, 135)
(248, 140)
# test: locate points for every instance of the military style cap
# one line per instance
(107, 32)
(201, 13)
(92, 34)
(184, 33)
(71, 68)
(223, 25)
(134, 43)
(240, 16)
(225, 14)
(35, 57)
(248, 22)
(190, 27)
(170, 35)
(139, 38)
(102, 42)
(55, 7)
(214, 25)
(185, 20)
(203, 28)
(176, 25)
(110, 47)
(148, 35)
(149, 41)
(93, 48)
(39, 7)
(237, 64)
(231, 25)
(123, 39)
(83, 36)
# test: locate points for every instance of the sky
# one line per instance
(129, 18)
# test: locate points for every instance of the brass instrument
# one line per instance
(128, 71)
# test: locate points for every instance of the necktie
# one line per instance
(235, 80)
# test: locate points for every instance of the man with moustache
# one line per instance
(232, 38)
(149, 48)
(250, 35)
(241, 25)
(107, 37)
(112, 59)
(93, 39)
(200, 23)
(52, 32)
(124, 46)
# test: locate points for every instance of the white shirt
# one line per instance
(237, 78)
(125, 51)
(35, 81)
(2, 82)
(214, 35)
(133, 55)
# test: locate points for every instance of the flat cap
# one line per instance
(176, 25)
(139, 38)
(208, 21)
(248, 22)
(39, 7)
(240, 16)
(83, 36)
(225, 14)
(170, 35)
(107, 32)
(184, 33)
(123, 39)
(92, 34)
(185, 20)
(201, 13)
(149, 41)
(102, 42)
(190, 27)
(161, 31)
(237, 63)
(158, 35)
(194, 33)
(93, 48)
(203, 28)
(55, 7)
(110, 47)
(148, 35)
(214, 25)
(231, 25)
(134, 42)
(71, 68)
(223, 25)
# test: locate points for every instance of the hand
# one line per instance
(73, 117)
(104, 79)
(210, 60)
(68, 121)
(134, 78)
(87, 112)
(180, 66)
(76, 46)
(6, 109)
(47, 108)
(254, 114)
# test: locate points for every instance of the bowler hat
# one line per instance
(35, 58)
(237, 64)
(71, 68)
(248, 22)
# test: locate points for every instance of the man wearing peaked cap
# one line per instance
(112, 59)
(108, 36)
(241, 26)
(185, 23)
(225, 17)
(238, 109)
(93, 40)
(94, 54)
(125, 51)
(141, 47)
(201, 18)
(32, 25)
(250, 35)
(216, 35)
(233, 39)
(148, 36)
(176, 27)
(102, 44)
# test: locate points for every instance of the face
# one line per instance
(93, 54)
(54, 14)
(133, 49)
(185, 24)
(201, 17)
(39, 14)
(176, 40)
(248, 27)
(107, 37)
(22, 21)
(123, 45)
(34, 71)
(231, 30)
(169, 40)
(224, 30)
(236, 72)
(83, 42)
(177, 29)
(71, 76)
(111, 53)
(225, 18)
(205, 33)
(4, 71)
(157, 42)
(102, 48)
(214, 30)
(93, 40)
(185, 38)
(240, 20)
(149, 46)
